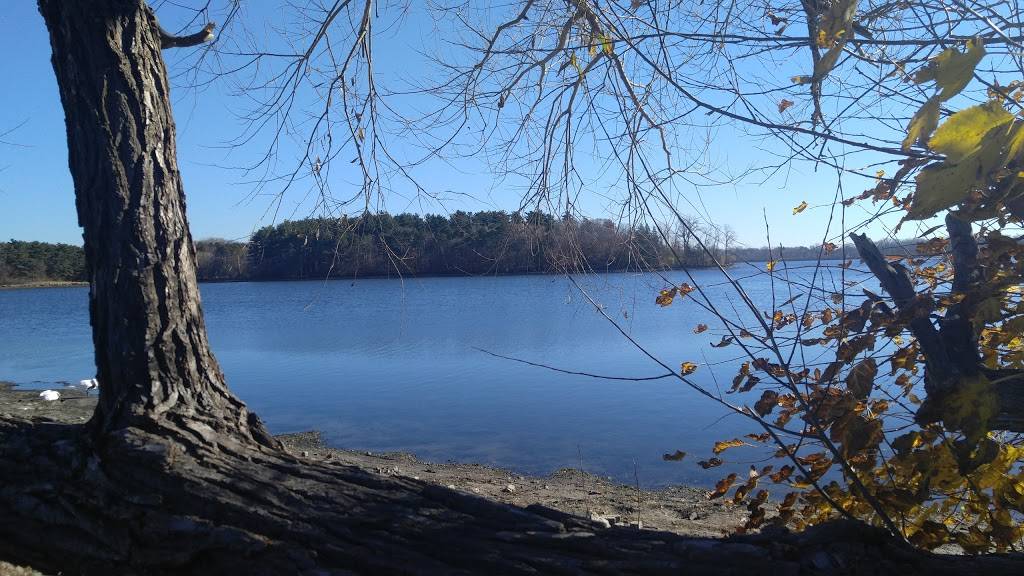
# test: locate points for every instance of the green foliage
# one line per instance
(26, 262)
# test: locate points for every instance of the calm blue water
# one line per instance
(387, 364)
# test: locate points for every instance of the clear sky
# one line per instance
(36, 196)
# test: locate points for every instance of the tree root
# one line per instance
(144, 503)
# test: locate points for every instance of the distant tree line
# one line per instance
(888, 247)
(488, 242)
(29, 262)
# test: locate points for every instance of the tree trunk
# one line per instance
(950, 351)
(152, 356)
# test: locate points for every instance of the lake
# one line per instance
(393, 364)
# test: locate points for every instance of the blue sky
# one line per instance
(37, 202)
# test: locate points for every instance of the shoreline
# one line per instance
(681, 509)
(396, 276)
(65, 284)
(43, 284)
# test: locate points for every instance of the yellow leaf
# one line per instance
(952, 70)
(975, 141)
(770, 265)
(723, 445)
(992, 473)
(666, 296)
(964, 133)
(1015, 150)
(800, 208)
(939, 186)
(575, 63)
(971, 406)
(834, 29)
(688, 368)
(922, 124)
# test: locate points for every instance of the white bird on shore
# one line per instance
(49, 395)
(90, 384)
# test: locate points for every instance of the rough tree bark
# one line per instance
(174, 475)
(152, 353)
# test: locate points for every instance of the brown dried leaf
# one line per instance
(764, 406)
(861, 378)
(666, 296)
(725, 341)
(722, 487)
(674, 457)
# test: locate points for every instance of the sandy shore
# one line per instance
(680, 509)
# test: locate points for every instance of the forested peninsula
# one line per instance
(462, 243)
